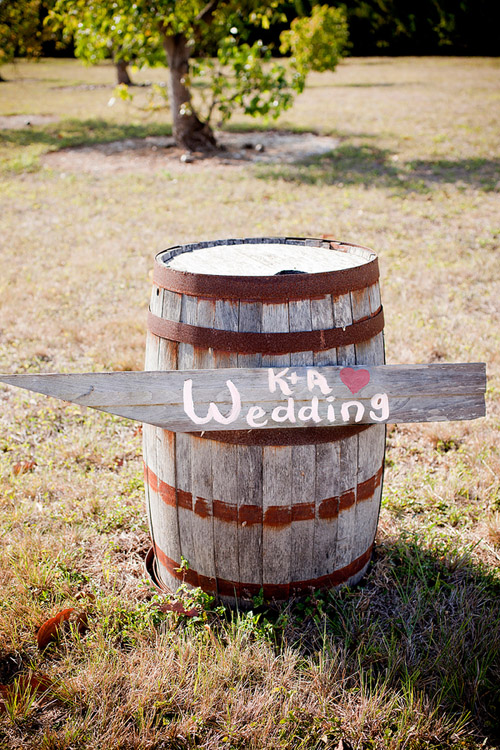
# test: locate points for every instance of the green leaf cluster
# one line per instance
(317, 42)
(101, 29)
(20, 32)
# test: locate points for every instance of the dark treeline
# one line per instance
(420, 27)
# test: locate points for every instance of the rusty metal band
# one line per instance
(268, 288)
(295, 436)
(266, 343)
(273, 516)
(223, 587)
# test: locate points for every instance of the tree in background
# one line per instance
(20, 30)
(212, 42)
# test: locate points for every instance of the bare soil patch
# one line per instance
(19, 122)
(158, 152)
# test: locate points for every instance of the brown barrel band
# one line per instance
(273, 516)
(295, 436)
(223, 587)
(266, 343)
(267, 288)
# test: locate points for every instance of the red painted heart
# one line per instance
(355, 380)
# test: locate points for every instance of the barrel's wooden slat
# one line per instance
(201, 520)
(165, 519)
(203, 465)
(322, 318)
(276, 494)
(366, 353)
(378, 340)
(326, 502)
(250, 319)
(276, 482)
(149, 432)
(185, 361)
(159, 451)
(275, 319)
(300, 319)
(225, 463)
(302, 468)
(348, 471)
(326, 460)
(250, 469)
(250, 461)
(168, 523)
(342, 310)
(226, 486)
(171, 306)
(370, 464)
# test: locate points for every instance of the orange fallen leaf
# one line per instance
(32, 684)
(50, 630)
(23, 467)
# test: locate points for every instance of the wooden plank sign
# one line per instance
(275, 397)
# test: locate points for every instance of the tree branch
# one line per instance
(208, 11)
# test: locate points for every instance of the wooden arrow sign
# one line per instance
(267, 398)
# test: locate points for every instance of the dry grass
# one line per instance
(410, 659)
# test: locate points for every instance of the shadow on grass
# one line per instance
(73, 133)
(369, 166)
(424, 624)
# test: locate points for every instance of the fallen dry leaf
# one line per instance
(50, 630)
(24, 467)
(32, 684)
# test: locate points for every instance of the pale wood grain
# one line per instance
(349, 459)
(264, 259)
(322, 318)
(225, 461)
(371, 456)
(303, 460)
(249, 494)
(250, 459)
(342, 311)
(203, 463)
(276, 475)
(149, 432)
(366, 351)
(416, 392)
(327, 483)
(185, 360)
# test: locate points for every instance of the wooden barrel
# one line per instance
(282, 510)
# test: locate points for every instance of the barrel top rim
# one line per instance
(171, 252)
(272, 289)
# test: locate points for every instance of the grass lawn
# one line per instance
(408, 659)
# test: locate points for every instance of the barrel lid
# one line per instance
(270, 269)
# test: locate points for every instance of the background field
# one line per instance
(409, 659)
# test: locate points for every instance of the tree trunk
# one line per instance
(122, 73)
(189, 132)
